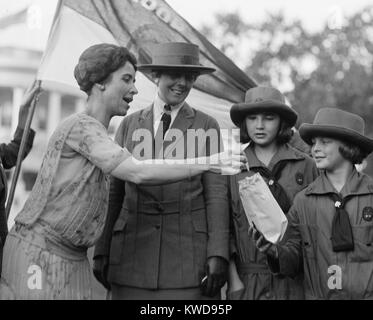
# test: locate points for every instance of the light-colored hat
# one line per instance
(175, 55)
(339, 124)
(263, 99)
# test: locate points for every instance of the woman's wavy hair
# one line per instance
(98, 62)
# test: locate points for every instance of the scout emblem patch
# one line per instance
(368, 214)
(299, 178)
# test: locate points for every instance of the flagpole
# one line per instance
(21, 151)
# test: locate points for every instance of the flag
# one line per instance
(137, 25)
(15, 18)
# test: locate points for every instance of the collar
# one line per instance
(285, 152)
(356, 184)
(159, 107)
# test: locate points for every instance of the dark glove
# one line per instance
(100, 270)
(262, 244)
(217, 274)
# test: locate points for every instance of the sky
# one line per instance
(314, 14)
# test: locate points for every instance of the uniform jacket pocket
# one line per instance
(199, 221)
(363, 239)
(309, 241)
(117, 241)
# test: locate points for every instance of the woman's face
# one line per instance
(174, 86)
(263, 128)
(326, 153)
(120, 89)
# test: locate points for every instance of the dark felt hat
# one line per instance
(175, 56)
(263, 99)
(338, 124)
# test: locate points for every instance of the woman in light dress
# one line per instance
(45, 254)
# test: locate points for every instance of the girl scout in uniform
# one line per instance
(265, 121)
(331, 221)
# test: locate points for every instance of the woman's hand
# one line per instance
(227, 162)
(262, 244)
(31, 93)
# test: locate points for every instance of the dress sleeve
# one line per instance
(89, 138)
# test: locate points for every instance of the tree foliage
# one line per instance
(332, 67)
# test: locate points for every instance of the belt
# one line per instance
(45, 238)
(250, 267)
(164, 208)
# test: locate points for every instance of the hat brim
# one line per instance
(239, 111)
(309, 131)
(186, 67)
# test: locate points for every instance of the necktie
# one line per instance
(164, 125)
(342, 238)
(277, 190)
(166, 118)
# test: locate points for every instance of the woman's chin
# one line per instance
(123, 111)
(262, 142)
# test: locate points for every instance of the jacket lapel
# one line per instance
(146, 119)
(183, 121)
(184, 118)
(145, 122)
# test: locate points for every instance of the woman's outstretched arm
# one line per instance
(89, 138)
(158, 171)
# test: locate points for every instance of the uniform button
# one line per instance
(271, 182)
(160, 207)
(268, 295)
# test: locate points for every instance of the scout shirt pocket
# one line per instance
(199, 221)
(118, 237)
(363, 239)
(294, 184)
(309, 250)
(309, 240)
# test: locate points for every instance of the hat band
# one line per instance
(340, 125)
(175, 60)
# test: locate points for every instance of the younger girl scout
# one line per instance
(331, 222)
(265, 121)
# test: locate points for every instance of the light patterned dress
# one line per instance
(45, 254)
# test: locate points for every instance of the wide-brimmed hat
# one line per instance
(338, 124)
(263, 99)
(175, 56)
